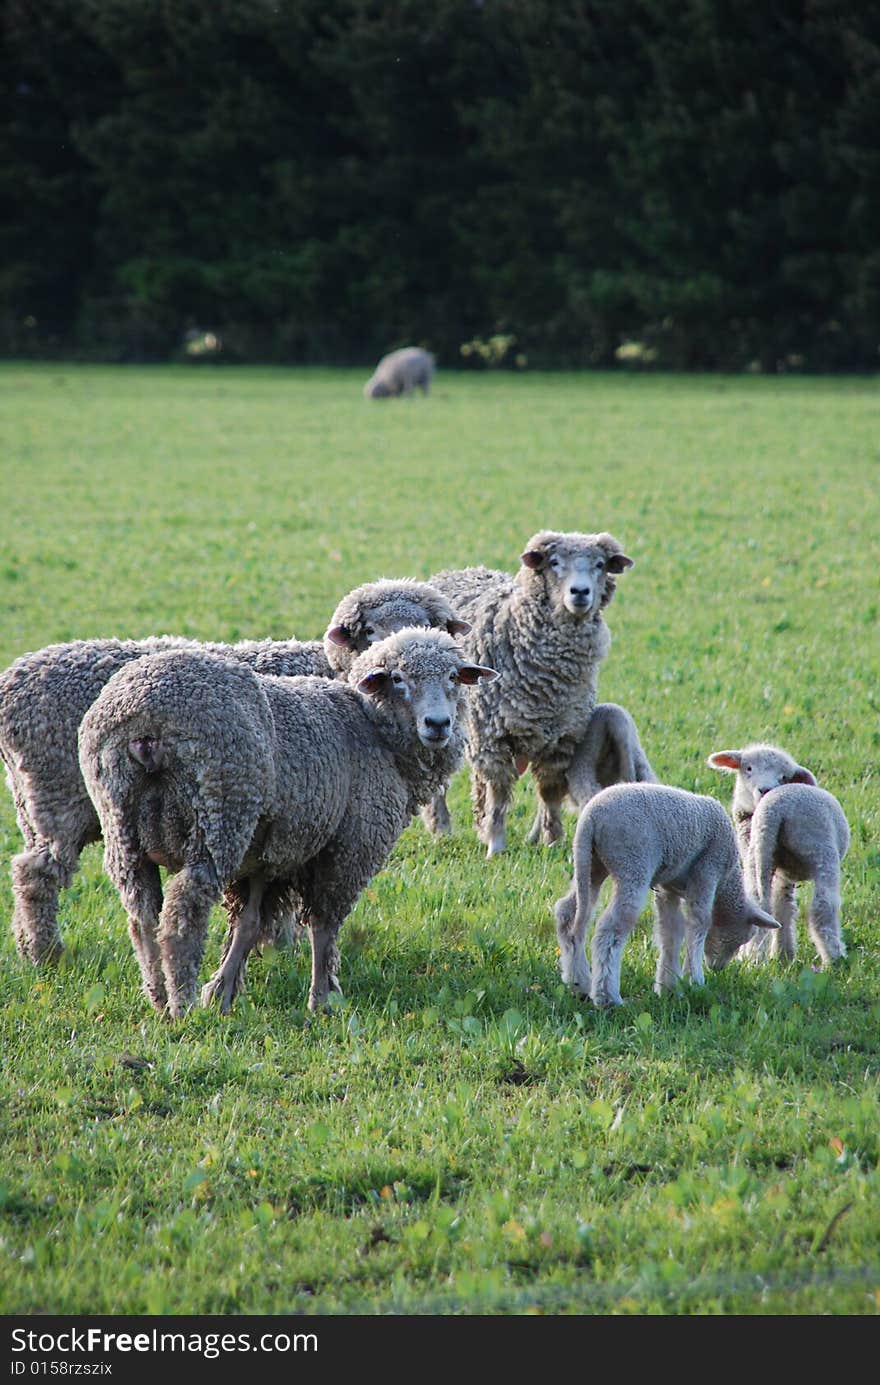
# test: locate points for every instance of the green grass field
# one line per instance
(460, 1135)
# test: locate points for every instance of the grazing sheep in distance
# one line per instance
(277, 787)
(653, 837)
(543, 630)
(45, 695)
(791, 831)
(400, 372)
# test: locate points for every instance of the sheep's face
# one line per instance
(422, 679)
(759, 770)
(382, 612)
(578, 570)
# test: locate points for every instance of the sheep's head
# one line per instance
(377, 389)
(378, 609)
(421, 675)
(759, 769)
(578, 571)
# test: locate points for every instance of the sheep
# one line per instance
(400, 372)
(653, 837)
(44, 696)
(790, 830)
(371, 612)
(272, 786)
(544, 632)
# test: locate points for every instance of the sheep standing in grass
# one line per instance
(277, 787)
(401, 372)
(653, 837)
(45, 695)
(790, 830)
(544, 632)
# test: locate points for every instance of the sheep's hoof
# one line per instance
(214, 991)
(50, 955)
(495, 847)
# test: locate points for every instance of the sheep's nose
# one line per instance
(438, 726)
(581, 593)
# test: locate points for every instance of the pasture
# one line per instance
(459, 1135)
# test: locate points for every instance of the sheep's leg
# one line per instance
(669, 933)
(573, 913)
(552, 789)
(325, 962)
(243, 933)
(783, 906)
(609, 936)
(141, 896)
(824, 915)
(478, 795)
(183, 927)
(492, 792)
(38, 876)
(435, 816)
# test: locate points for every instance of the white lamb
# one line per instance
(653, 837)
(790, 830)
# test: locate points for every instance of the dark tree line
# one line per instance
(317, 181)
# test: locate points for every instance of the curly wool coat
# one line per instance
(285, 786)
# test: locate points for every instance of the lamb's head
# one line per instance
(759, 769)
(420, 676)
(577, 571)
(378, 609)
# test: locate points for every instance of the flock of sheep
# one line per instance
(276, 776)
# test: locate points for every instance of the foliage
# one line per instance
(321, 184)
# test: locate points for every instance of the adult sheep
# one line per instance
(543, 630)
(274, 786)
(45, 695)
(401, 372)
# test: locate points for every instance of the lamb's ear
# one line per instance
(458, 627)
(472, 673)
(762, 920)
(535, 558)
(725, 759)
(373, 682)
(619, 562)
(803, 776)
(341, 635)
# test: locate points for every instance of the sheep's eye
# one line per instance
(369, 630)
(397, 679)
(748, 769)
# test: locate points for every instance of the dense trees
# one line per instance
(322, 182)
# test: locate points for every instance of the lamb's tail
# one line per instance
(762, 854)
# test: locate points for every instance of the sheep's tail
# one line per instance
(762, 854)
(148, 751)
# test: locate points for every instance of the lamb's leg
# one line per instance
(698, 912)
(38, 876)
(573, 913)
(783, 907)
(183, 926)
(824, 914)
(243, 933)
(435, 816)
(609, 936)
(758, 878)
(669, 933)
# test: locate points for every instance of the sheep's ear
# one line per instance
(373, 682)
(458, 627)
(619, 562)
(534, 558)
(803, 776)
(341, 635)
(725, 759)
(762, 920)
(472, 673)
